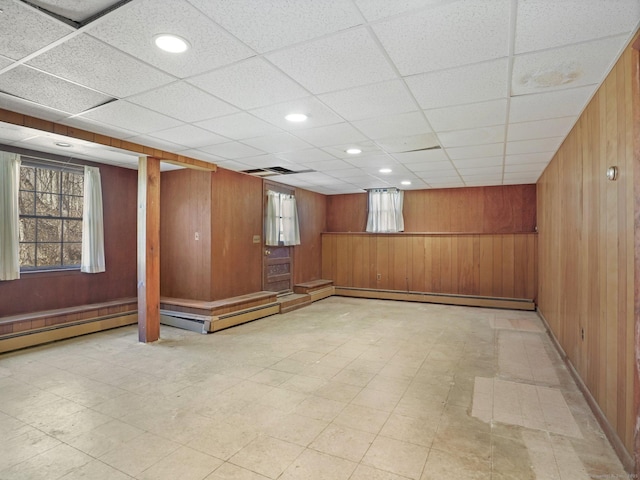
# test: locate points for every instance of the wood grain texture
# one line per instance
(500, 265)
(184, 212)
(148, 249)
(501, 209)
(633, 149)
(586, 248)
(312, 216)
(35, 292)
(236, 216)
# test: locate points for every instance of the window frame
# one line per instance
(59, 191)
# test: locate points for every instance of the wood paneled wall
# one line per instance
(500, 265)
(35, 292)
(312, 215)
(236, 216)
(185, 263)
(586, 248)
(500, 209)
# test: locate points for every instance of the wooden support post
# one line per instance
(635, 171)
(148, 249)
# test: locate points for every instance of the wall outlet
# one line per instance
(379, 276)
(256, 239)
(197, 236)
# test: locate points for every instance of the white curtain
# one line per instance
(282, 220)
(385, 211)
(290, 226)
(92, 225)
(9, 216)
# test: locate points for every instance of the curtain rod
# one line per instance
(27, 153)
(68, 165)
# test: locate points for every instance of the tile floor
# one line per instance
(343, 389)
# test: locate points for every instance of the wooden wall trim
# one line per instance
(14, 118)
(635, 86)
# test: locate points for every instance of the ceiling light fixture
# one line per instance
(296, 117)
(171, 43)
(63, 144)
(353, 151)
(385, 170)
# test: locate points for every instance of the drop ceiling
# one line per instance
(445, 93)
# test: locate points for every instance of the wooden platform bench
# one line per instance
(35, 328)
(211, 316)
(317, 289)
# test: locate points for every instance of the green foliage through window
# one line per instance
(50, 218)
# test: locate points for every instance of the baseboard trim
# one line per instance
(618, 447)
(31, 338)
(440, 298)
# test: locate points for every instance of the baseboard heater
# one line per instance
(213, 323)
(440, 298)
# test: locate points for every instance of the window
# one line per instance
(385, 210)
(50, 207)
(281, 226)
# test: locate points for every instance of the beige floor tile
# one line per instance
(420, 431)
(135, 456)
(401, 458)
(95, 470)
(53, 463)
(451, 464)
(319, 408)
(267, 456)
(296, 429)
(353, 377)
(343, 442)
(271, 377)
(385, 400)
(184, 464)
(104, 437)
(312, 465)
(228, 471)
(338, 391)
(362, 418)
(365, 472)
(303, 383)
(223, 441)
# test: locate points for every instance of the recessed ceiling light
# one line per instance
(63, 144)
(385, 170)
(296, 117)
(353, 151)
(171, 43)
(405, 182)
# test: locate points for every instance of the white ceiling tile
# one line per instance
(184, 102)
(537, 168)
(446, 184)
(233, 165)
(189, 135)
(472, 115)
(534, 146)
(5, 62)
(444, 169)
(339, 151)
(43, 89)
(266, 161)
(479, 162)
(155, 142)
(317, 114)
(315, 178)
(566, 67)
(377, 9)
(372, 160)
(520, 178)
(482, 181)
(131, 28)
(421, 156)
(423, 42)
(476, 136)
(26, 30)
(368, 101)
(25, 107)
(201, 155)
(346, 173)
(527, 158)
(266, 26)
(249, 84)
(541, 24)
(98, 127)
(553, 127)
(478, 151)
(10, 133)
(123, 114)
(277, 142)
(309, 155)
(481, 171)
(411, 123)
(327, 165)
(540, 106)
(231, 150)
(328, 135)
(344, 60)
(92, 63)
(408, 144)
(238, 126)
(469, 84)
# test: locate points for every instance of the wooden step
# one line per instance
(293, 301)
